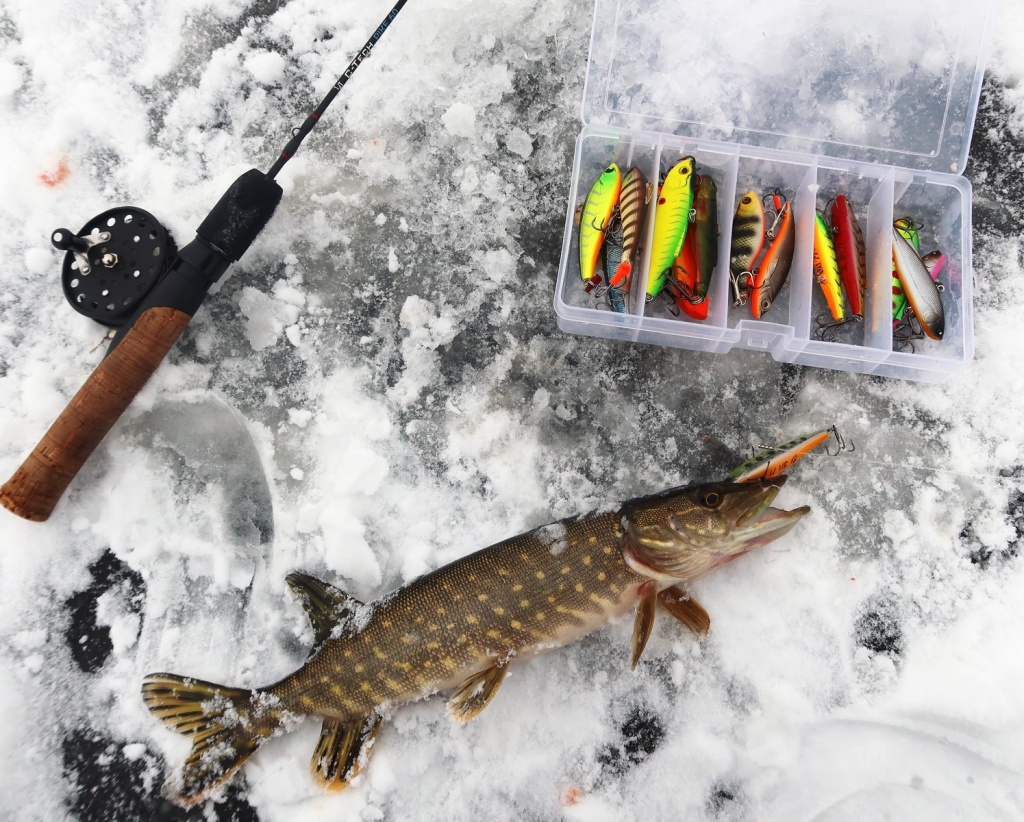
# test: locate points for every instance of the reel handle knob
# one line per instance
(64, 239)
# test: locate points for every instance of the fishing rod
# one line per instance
(123, 270)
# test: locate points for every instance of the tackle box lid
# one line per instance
(873, 81)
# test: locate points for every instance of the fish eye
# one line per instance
(765, 305)
(609, 170)
(712, 498)
(747, 200)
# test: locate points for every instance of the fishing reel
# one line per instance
(113, 262)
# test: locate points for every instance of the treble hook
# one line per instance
(907, 224)
(905, 331)
(829, 331)
(681, 289)
(840, 443)
(739, 299)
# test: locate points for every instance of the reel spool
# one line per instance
(113, 263)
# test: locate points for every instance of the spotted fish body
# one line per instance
(632, 211)
(671, 220)
(463, 625)
(826, 268)
(595, 218)
(850, 253)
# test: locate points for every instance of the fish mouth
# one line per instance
(755, 522)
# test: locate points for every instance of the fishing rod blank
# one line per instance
(299, 134)
(149, 325)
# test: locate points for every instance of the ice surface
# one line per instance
(379, 388)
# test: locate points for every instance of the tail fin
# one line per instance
(226, 725)
(622, 273)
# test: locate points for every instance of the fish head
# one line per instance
(686, 533)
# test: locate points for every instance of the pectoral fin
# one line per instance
(342, 745)
(325, 605)
(686, 609)
(644, 620)
(473, 695)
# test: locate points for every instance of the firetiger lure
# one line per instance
(826, 268)
(778, 459)
(850, 253)
(671, 220)
(596, 217)
(747, 241)
(774, 268)
(633, 200)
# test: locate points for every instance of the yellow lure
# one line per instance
(597, 214)
(671, 219)
(826, 268)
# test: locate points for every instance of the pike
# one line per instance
(462, 626)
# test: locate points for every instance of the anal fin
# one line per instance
(342, 749)
(644, 624)
(686, 609)
(474, 694)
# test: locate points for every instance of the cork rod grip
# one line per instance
(38, 484)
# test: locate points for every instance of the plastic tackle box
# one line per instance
(871, 100)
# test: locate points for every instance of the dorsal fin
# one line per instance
(325, 605)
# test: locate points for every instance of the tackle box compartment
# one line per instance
(851, 105)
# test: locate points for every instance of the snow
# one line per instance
(379, 388)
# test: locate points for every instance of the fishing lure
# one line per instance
(921, 291)
(633, 200)
(850, 253)
(699, 256)
(595, 218)
(670, 223)
(747, 241)
(774, 268)
(908, 230)
(774, 461)
(613, 253)
(826, 268)
(682, 285)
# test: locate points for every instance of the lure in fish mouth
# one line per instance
(685, 534)
(461, 627)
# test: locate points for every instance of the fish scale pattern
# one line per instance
(514, 600)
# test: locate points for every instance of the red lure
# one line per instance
(850, 254)
(685, 272)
